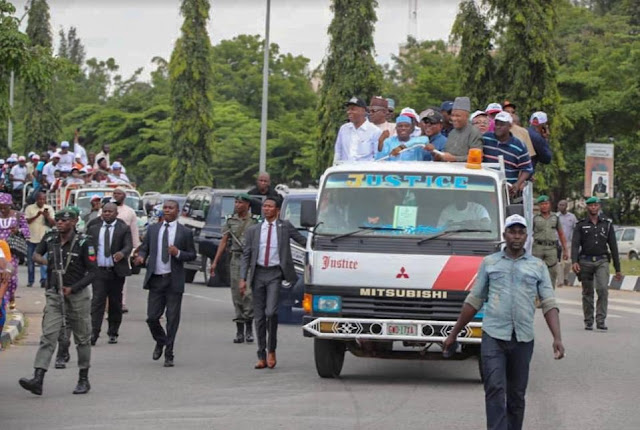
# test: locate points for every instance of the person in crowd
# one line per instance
(522, 135)
(357, 139)
(80, 272)
(102, 164)
(19, 174)
(403, 140)
(78, 147)
(480, 120)
(506, 285)
(49, 170)
(378, 109)
(40, 219)
(431, 122)
(128, 215)
(37, 178)
(166, 247)
(266, 261)
(509, 107)
(12, 222)
(5, 276)
(568, 222)
(594, 242)
(413, 115)
(106, 149)
(67, 158)
(463, 137)
(91, 160)
(391, 112)
(117, 176)
(263, 186)
(31, 165)
(445, 110)
(491, 111)
(546, 233)
(94, 212)
(539, 134)
(517, 162)
(75, 177)
(53, 148)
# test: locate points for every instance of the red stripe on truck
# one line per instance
(458, 273)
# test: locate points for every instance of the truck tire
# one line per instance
(329, 357)
(633, 255)
(189, 275)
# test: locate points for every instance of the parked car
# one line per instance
(628, 239)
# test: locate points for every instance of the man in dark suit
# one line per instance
(166, 247)
(113, 238)
(266, 261)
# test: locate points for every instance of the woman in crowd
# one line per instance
(11, 222)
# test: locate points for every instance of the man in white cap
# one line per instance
(66, 158)
(464, 136)
(19, 174)
(491, 111)
(411, 113)
(539, 134)
(49, 169)
(507, 284)
(116, 175)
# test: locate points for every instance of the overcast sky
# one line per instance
(134, 31)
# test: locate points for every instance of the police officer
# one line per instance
(233, 230)
(546, 232)
(590, 258)
(79, 267)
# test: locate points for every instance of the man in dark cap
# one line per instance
(464, 136)
(445, 111)
(358, 139)
(78, 262)
(431, 122)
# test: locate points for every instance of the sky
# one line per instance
(134, 31)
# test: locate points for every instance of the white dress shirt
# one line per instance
(79, 149)
(274, 257)
(49, 171)
(66, 160)
(18, 172)
(163, 268)
(357, 144)
(102, 260)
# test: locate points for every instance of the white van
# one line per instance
(628, 239)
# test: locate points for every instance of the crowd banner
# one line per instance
(598, 170)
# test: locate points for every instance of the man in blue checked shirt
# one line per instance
(402, 140)
(507, 284)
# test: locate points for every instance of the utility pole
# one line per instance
(412, 27)
(11, 86)
(265, 95)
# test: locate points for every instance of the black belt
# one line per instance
(593, 258)
(164, 275)
(106, 269)
(546, 242)
(267, 268)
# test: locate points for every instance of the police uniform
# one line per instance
(79, 263)
(235, 227)
(545, 242)
(589, 249)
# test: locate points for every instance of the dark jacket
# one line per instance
(120, 242)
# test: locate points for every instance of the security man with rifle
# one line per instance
(71, 266)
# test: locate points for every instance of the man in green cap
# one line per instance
(78, 262)
(546, 232)
(234, 228)
(590, 258)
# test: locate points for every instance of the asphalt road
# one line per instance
(214, 385)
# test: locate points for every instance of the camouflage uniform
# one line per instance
(545, 242)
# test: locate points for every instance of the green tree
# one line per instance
(71, 47)
(38, 25)
(349, 69)
(191, 99)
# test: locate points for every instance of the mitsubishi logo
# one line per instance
(403, 274)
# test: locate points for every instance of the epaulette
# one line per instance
(228, 217)
(82, 238)
(256, 217)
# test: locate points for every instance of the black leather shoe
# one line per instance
(588, 326)
(94, 339)
(60, 362)
(168, 362)
(248, 333)
(602, 327)
(157, 351)
(113, 339)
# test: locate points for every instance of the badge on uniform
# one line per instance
(92, 253)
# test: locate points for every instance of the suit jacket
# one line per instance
(149, 251)
(120, 242)
(286, 231)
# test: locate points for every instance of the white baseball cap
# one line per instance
(409, 112)
(538, 118)
(515, 219)
(22, 158)
(55, 155)
(64, 144)
(116, 165)
(493, 108)
(477, 113)
(504, 117)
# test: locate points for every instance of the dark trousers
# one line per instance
(162, 299)
(266, 291)
(505, 366)
(31, 265)
(106, 286)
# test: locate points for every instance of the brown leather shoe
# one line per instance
(261, 364)
(271, 359)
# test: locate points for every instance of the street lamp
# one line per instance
(265, 95)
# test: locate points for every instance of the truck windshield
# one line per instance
(410, 205)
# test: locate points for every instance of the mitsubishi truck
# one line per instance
(393, 250)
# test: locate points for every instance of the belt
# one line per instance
(106, 269)
(164, 275)
(267, 268)
(546, 242)
(593, 258)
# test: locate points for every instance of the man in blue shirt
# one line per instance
(431, 123)
(393, 145)
(506, 285)
(539, 133)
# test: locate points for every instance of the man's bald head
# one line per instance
(263, 182)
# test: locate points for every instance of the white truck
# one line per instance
(393, 251)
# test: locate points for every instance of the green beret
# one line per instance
(243, 196)
(592, 200)
(542, 198)
(75, 209)
(66, 214)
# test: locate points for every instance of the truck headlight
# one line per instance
(327, 304)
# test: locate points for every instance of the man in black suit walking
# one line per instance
(266, 261)
(113, 238)
(167, 245)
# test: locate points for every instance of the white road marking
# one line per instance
(625, 301)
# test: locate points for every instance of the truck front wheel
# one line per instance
(329, 356)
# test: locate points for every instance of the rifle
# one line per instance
(58, 270)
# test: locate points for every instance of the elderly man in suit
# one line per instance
(166, 247)
(266, 261)
(113, 237)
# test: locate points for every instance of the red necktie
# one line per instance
(266, 252)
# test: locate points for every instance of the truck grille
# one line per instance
(384, 307)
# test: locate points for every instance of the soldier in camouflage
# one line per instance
(233, 232)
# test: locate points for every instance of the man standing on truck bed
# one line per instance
(507, 283)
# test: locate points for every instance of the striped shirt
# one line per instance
(516, 155)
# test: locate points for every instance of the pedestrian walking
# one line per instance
(546, 233)
(568, 222)
(166, 247)
(5, 277)
(113, 239)
(508, 282)
(40, 218)
(266, 261)
(128, 215)
(234, 231)
(594, 243)
(12, 223)
(76, 257)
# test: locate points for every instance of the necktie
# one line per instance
(165, 243)
(107, 241)
(268, 248)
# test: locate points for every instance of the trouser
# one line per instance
(505, 366)
(31, 270)
(564, 266)
(162, 299)
(243, 304)
(594, 275)
(77, 307)
(124, 293)
(548, 254)
(107, 285)
(266, 290)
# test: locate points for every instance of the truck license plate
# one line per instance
(403, 329)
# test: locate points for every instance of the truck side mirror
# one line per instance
(308, 213)
(515, 210)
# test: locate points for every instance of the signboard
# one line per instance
(598, 170)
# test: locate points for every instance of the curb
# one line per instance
(14, 326)
(628, 283)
